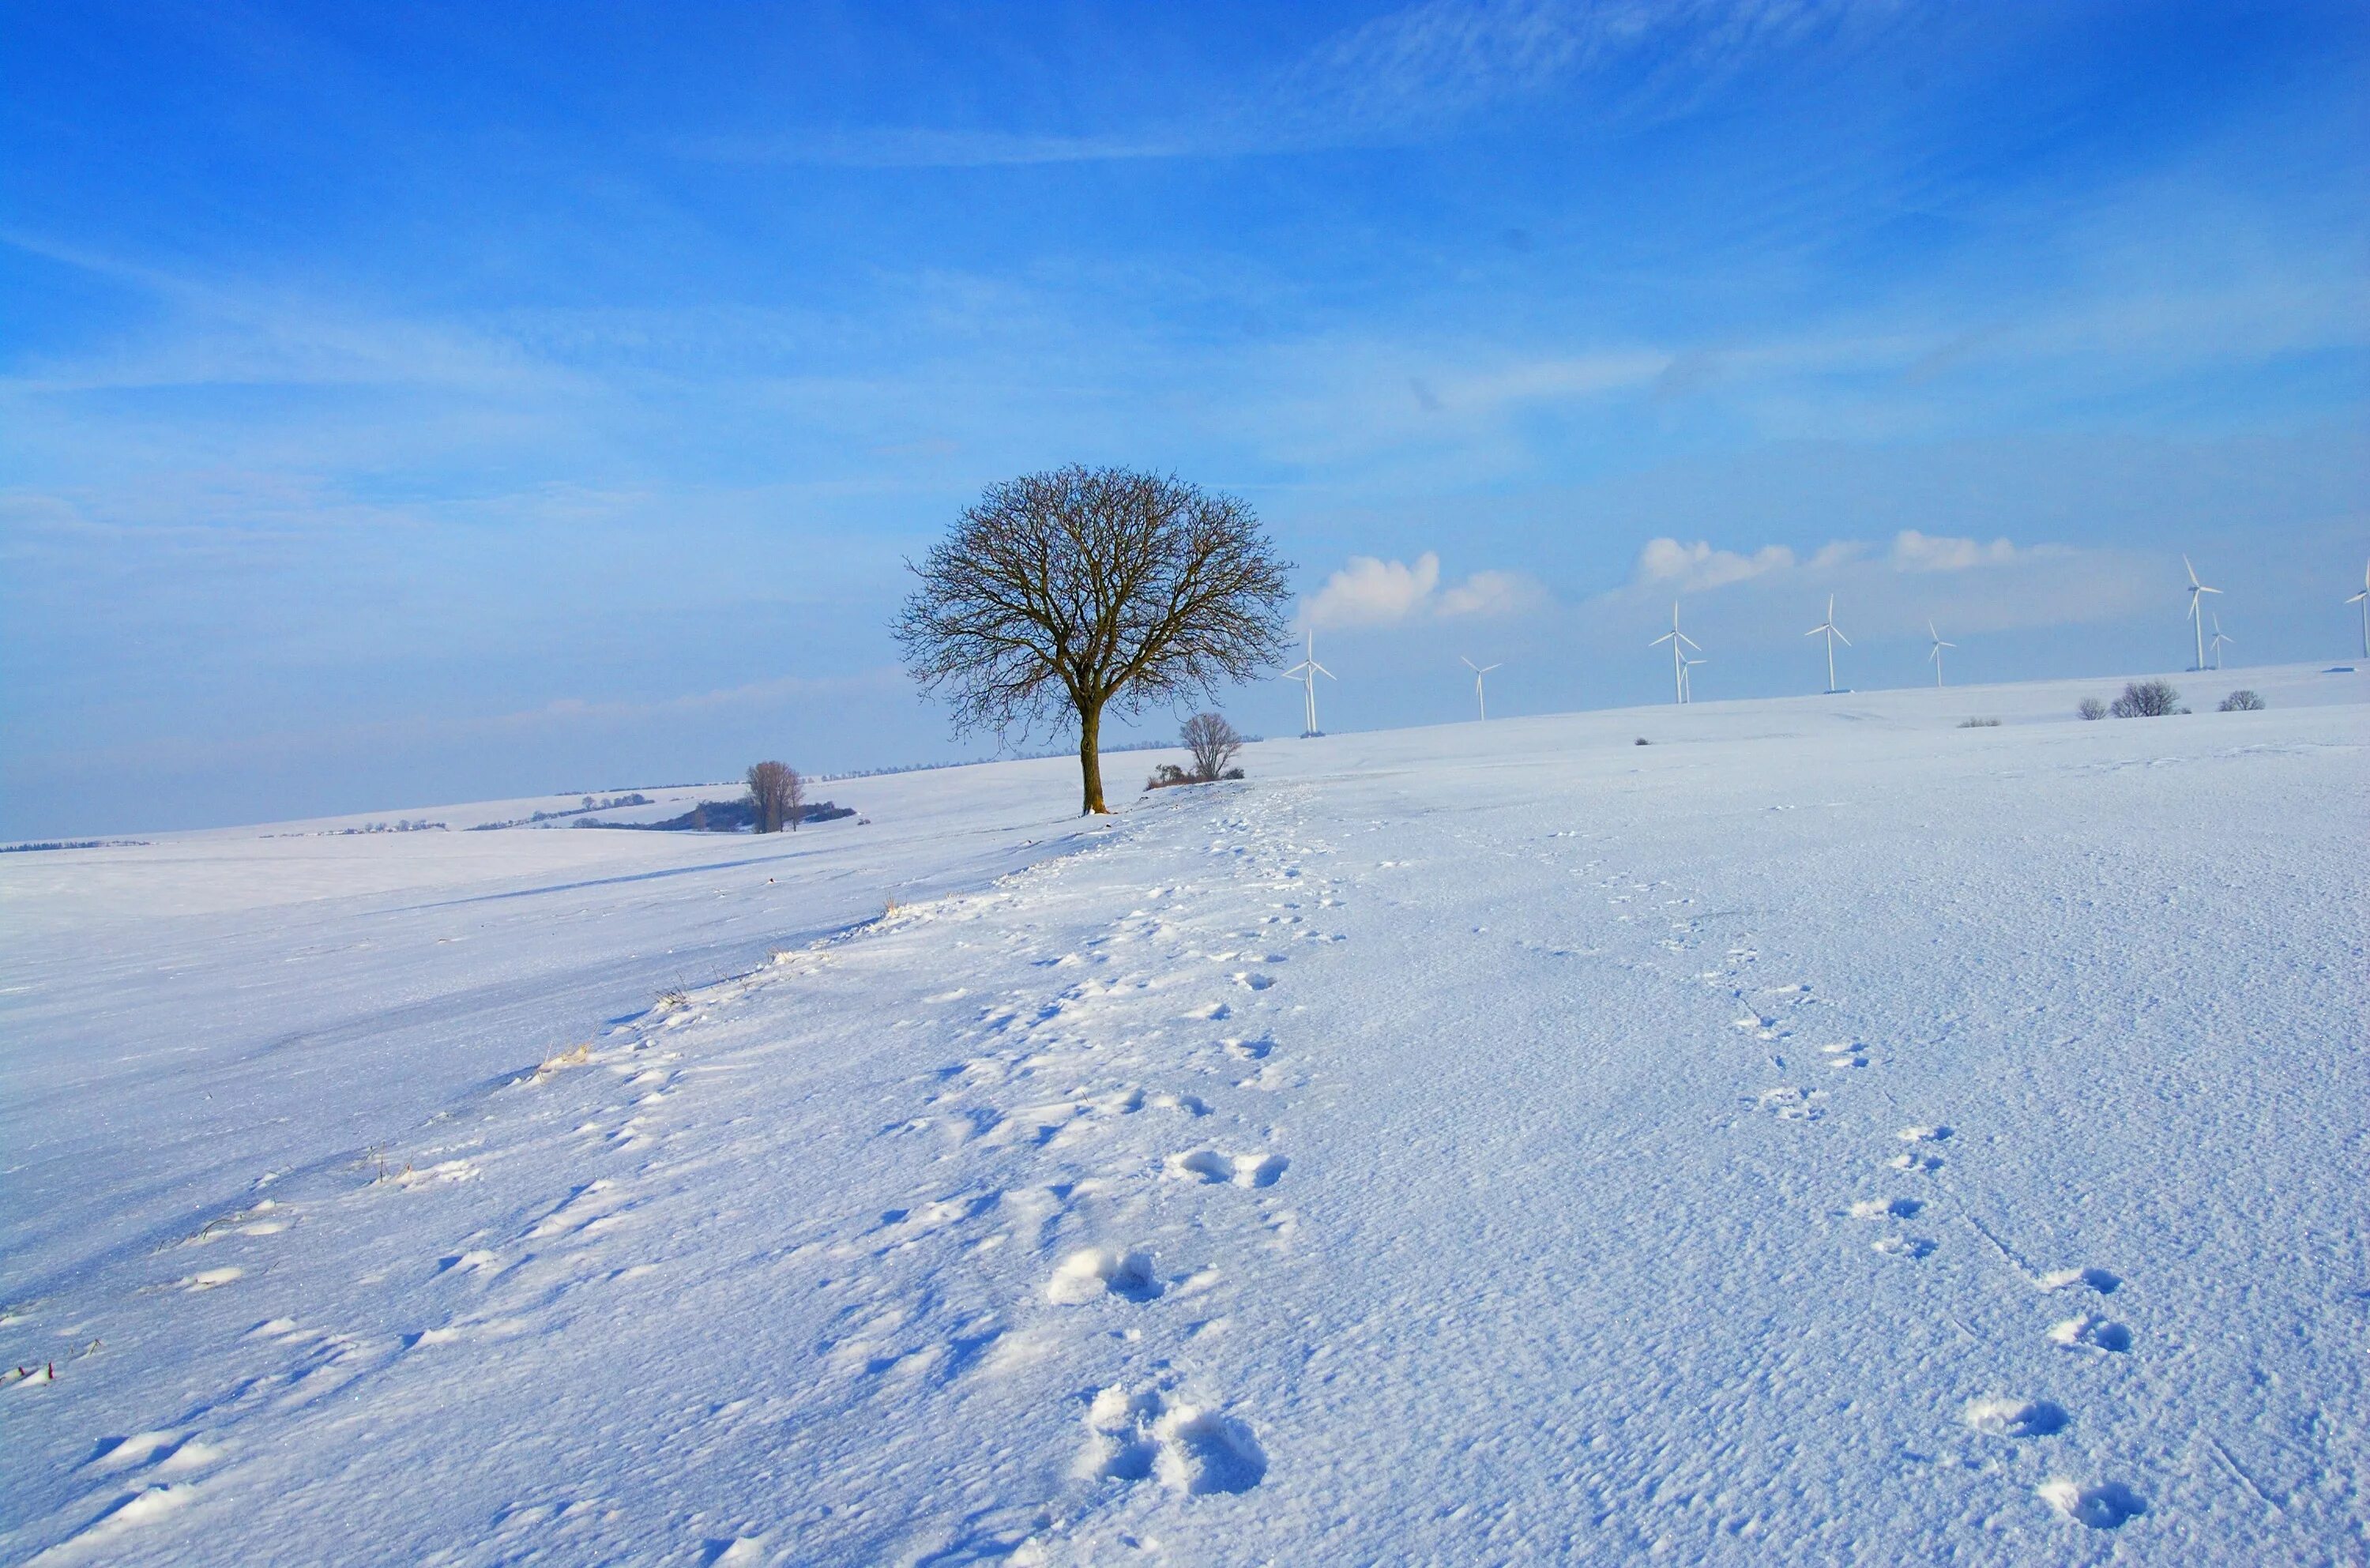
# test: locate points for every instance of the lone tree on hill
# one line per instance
(776, 792)
(1059, 595)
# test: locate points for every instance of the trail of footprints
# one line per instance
(1054, 1108)
(1902, 1199)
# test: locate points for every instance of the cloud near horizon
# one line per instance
(1372, 592)
(1669, 564)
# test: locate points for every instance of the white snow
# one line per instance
(1825, 1135)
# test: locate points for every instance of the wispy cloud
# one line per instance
(1403, 76)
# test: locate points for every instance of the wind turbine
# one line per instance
(1479, 695)
(2218, 640)
(1680, 641)
(2196, 616)
(1687, 679)
(1935, 656)
(1827, 626)
(2363, 599)
(1308, 670)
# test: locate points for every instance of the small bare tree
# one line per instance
(1063, 594)
(1214, 744)
(2146, 699)
(776, 792)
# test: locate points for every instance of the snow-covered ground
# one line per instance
(1825, 1135)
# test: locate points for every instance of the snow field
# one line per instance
(1871, 1144)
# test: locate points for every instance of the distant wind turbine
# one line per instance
(2363, 599)
(1687, 678)
(2196, 616)
(1935, 656)
(2217, 641)
(1827, 628)
(1306, 672)
(1479, 694)
(1680, 641)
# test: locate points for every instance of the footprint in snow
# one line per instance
(1093, 1272)
(1189, 1448)
(2100, 1505)
(1886, 1208)
(1910, 1247)
(1242, 1169)
(2100, 1280)
(2015, 1418)
(1790, 1104)
(2086, 1333)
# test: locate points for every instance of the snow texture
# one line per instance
(1826, 1134)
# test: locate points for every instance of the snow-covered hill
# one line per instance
(1823, 1135)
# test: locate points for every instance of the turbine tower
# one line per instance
(1306, 672)
(1479, 694)
(1935, 656)
(2197, 592)
(2363, 599)
(1680, 641)
(2216, 642)
(1827, 628)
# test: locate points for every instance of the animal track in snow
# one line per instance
(1911, 1247)
(2086, 1333)
(1845, 1054)
(1250, 1050)
(1916, 1162)
(1789, 1104)
(2015, 1418)
(2100, 1280)
(1189, 1448)
(208, 1279)
(1100, 1271)
(1886, 1208)
(1242, 1169)
(2101, 1505)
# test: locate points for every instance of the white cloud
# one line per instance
(1914, 551)
(1491, 594)
(1370, 591)
(1669, 563)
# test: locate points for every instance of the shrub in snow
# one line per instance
(2146, 699)
(1167, 776)
(1644, 742)
(2242, 701)
(2092, 708)
(1979, 724)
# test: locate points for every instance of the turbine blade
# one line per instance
(2202, 589)
(1690, 642)
(1842, 639)
(2359, 597)
(2191, 570)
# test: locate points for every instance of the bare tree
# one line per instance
(2146, 699)
(776, 792)
(1062, 593)
(1214, 744)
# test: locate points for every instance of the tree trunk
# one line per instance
(1090, 760)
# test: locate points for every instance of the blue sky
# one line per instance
(401, 405)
